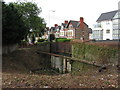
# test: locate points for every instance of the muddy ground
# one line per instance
(17, 66)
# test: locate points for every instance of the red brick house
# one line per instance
(76, 30)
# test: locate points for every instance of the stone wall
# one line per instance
(9, 48)
(60, 64)
(94, 53)
(79, 33)
(45, 47)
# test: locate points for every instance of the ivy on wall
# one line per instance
(94, 53)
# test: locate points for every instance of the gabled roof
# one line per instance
(64, 25)
(55, 28)
(107, 16)
(52, 28)
(59, 27)
(74, 23)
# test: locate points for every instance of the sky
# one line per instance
(90, 10)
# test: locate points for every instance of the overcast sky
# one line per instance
(73, 10)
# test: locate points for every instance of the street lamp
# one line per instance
(49, 15)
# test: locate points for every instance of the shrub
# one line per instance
(62, 40)
(13, 26)
(40, 40)
(43, 42)
(23, 43)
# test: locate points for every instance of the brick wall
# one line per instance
(79, 33)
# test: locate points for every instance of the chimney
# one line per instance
(55, 25)
(66, 22)
(81, 22)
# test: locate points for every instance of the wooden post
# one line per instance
(65, 65)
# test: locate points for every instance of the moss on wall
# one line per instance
(94, 53)
(79, 68)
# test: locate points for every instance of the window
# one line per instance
(70, 26)
(70, 33)
(107, 23)
(107, 31)
(62, 33)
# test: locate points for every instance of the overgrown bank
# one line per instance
(94, 53)
(16, 74)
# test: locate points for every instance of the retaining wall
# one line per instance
(60, 64)
(9, 48)
(94, 53)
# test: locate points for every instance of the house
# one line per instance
(97, 32)
(82, 31)
(46, 33)
(75, 30)
(72, 26)
(55, 30)
(107, 27)
(63, 30)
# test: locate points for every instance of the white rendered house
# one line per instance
(97, 32)
(107, 26)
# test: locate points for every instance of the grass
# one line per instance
(62, 40)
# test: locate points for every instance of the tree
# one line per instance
(30, 15)
(13, 27)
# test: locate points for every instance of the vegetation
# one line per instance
(33, 39)
(51, 37)
(62, 40)
(19, 19)
(30, 15)
(78, 67)
(95, 53)
(46, 42)
(13, 27)
(17, 66)
(40, 40)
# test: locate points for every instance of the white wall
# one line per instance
(70, 31)
(105, 27)
(62, 33)
(97, 33)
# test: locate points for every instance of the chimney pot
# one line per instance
(81, 22)
(81, 19)
(55, 25)
(66, 22)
